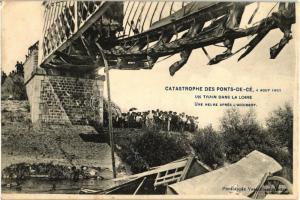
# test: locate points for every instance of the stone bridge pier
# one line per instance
(63, 96)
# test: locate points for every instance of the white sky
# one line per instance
(144, 89)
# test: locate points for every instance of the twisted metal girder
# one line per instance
(65, 21)
(128, 47)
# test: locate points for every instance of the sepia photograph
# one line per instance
(152, 99)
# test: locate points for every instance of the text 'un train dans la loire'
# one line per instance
(224, 93)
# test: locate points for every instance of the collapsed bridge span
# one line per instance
(61, 69)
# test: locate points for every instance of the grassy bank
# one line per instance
(63, 145)
(82, 145)
(136, 150)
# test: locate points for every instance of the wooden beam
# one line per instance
(140, 185)
(187, 167)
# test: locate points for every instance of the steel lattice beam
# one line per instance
(64, 22)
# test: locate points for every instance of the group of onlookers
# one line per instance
(154, 120)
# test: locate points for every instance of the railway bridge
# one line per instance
(79, 37)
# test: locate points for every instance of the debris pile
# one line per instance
(22, 171)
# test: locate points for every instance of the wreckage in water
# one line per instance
(155, 181)
(252, 176)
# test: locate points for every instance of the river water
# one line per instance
(44, 185)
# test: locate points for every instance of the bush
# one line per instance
(14, 88)
(133, 159)
(243, 134)
(3, 77)
(160, 148)
(151, 149)
(209, 146)
(280, 125)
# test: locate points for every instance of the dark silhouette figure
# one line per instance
(20, 68)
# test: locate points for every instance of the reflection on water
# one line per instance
(43, 185)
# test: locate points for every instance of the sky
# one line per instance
(145, 89)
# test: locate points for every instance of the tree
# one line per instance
(280, 125)
(241, 134)
(209, 146)
(3, 77)
(14, 87)
(20, 68)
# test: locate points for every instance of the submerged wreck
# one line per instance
(253, 176)
(156, 180)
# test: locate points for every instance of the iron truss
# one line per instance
(134, 35)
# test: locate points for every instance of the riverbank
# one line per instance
(79, 145)
(61, 145)
(63, 150)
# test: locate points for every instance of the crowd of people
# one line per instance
(154, 120)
